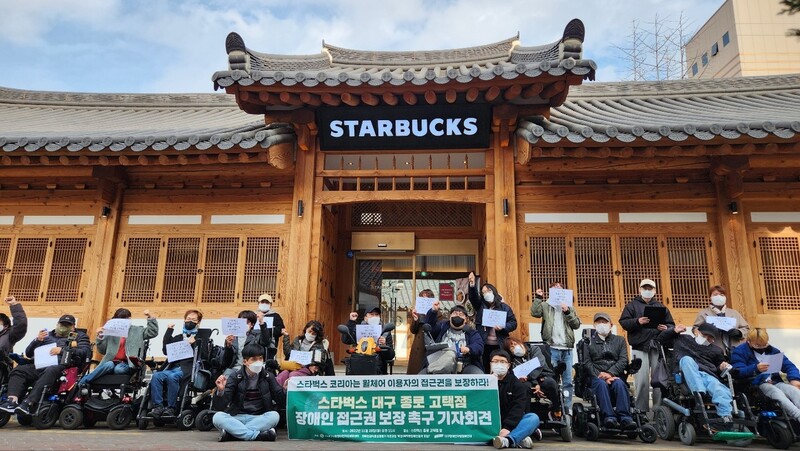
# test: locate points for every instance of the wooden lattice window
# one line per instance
(219, 271)
(638, 260)
(411, 214)
(548, 261)
(26, 274)
(594, 271)
(688, 271)
(141, 269)
(181, 269)
(779, 268)
(5, 251)
(66, 270)
(261, 268)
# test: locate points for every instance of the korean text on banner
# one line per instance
(179, 350)
(558, 296)
(42, 357)
(117, 327)
(234, 326)
(494, 318)
(432, 408)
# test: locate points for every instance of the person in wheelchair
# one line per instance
(516, 422)
(232, 351)
(120, 354)
(748, 367)
(605, 362)
(373, 318)
(171, 376)
(72, 348)
(246, 401)
(724, 339)
(541, 381)
(702, 365)
(313, 339)
(12, 331)
(464, 340)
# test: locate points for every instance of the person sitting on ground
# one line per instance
(702, 365)
(278, 327)
(745, 359)
(516, 422)
(12, 331)
(121, 354)
(464, 340)
(312, 340)
(541, 381)
(246, 402)
(73, 349)
(171, 376)
(232, 351)
(385, 342)
(605, 361)
(724, 339)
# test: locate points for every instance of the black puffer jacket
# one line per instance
(708, 358)
(232, 399)
(609, 355)
(640, 336)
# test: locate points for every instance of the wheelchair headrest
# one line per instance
(203, 334)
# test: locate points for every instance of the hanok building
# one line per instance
(349, 179)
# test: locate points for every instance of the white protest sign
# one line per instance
(117, 327)
(368, 330)
(525, 369)
(179, 350)
(234, 326)
(301, 357)
(270, 321)
(775, 361)
(492, 318)
(423, 305)
(725, 323)
(558, 296)
(42, 357)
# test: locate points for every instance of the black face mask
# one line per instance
(189, 325)
(457, 322)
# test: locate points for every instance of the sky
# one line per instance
(149, 46)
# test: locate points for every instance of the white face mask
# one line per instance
(374, 320)
(264, 307)
(488, 297)
(701, 340)
(256, 366)
(519, 351)
(499, 369)
(718, 300)
(647, 294)
(310, 337)
(603, 329)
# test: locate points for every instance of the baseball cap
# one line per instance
(601, 315)
(67, 319)
(375, 310)
(647, 282)
(265, 298)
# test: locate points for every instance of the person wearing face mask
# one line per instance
(726, 340)
(516, 422)
(702, 365)
(417, 354)
(12, 331)
(385, 341)
(540, 381)
(171, 376)
(454, 331)
(640, 336)
(72, 351)
(489, 299)
(278, 326)
(605, 359)
(232, 351)
(745, 361)
(312, 339)
(244, 400)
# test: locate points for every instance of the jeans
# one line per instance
(172, 379)
(526, 426)
(107, 368)
(788, 396)
(244, 426)
(622, 400)
(700, 381)
(641, 380)
(564, 355)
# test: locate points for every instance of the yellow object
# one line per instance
(290, 365)
(367, 346)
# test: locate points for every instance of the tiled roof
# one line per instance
(671, 111)
(335, 66)
(51, 121)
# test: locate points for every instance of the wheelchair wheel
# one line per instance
(142, 424)
(592, 432)
(185, 420)
(47, 417)
(664, 423)
(4, 417)
(120, 417)
(566, 431)
(578, 419)
(687, 434)
(203, 421)
(779, 435)
(71, 418)
(648, 433)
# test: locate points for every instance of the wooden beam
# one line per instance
(532, 90)
(370, 99)
(330, 99)
(163, 160)
(290, 98)
(430, 97)
(267, 98)
(350, 99)
(552, 89)
(472, 94)
(310, 99)
(64, 160)
(410, 98)
(513, 92)
(450, 95)
(389, 98)
(143, 160)
(491, 93)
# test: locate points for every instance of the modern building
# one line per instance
(745, 38)
(348, 179)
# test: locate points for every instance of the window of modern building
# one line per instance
(726, 38)
(714, 49)
(705, 59)
(694, 69)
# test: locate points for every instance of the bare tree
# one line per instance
(791, 7)
(656, 51)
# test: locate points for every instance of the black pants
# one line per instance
(22, 376)
(550, 388)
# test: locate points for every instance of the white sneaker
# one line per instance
(526, 443)
(500, 442)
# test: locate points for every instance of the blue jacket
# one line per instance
(744, 360)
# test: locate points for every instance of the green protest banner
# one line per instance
(431, 408)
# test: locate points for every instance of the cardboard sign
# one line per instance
(423, 305)
(446, 292)
(558, 296)
(234, 326)
(525, 369)
(724, 323)
(42, 357)
(368, 330)
(492, 318)
(117, 327)
(179, 350)
(301, 357)
(775, 361)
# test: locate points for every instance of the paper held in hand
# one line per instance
(42, 357)
(725, 323)
(117, 327)
(492, 318)
(367, 330)
(423, 305)
(775, 361)
(270, 320)
(558, 296)
(179, 350)
(525, 369)
(234, 326)
(301, 357)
